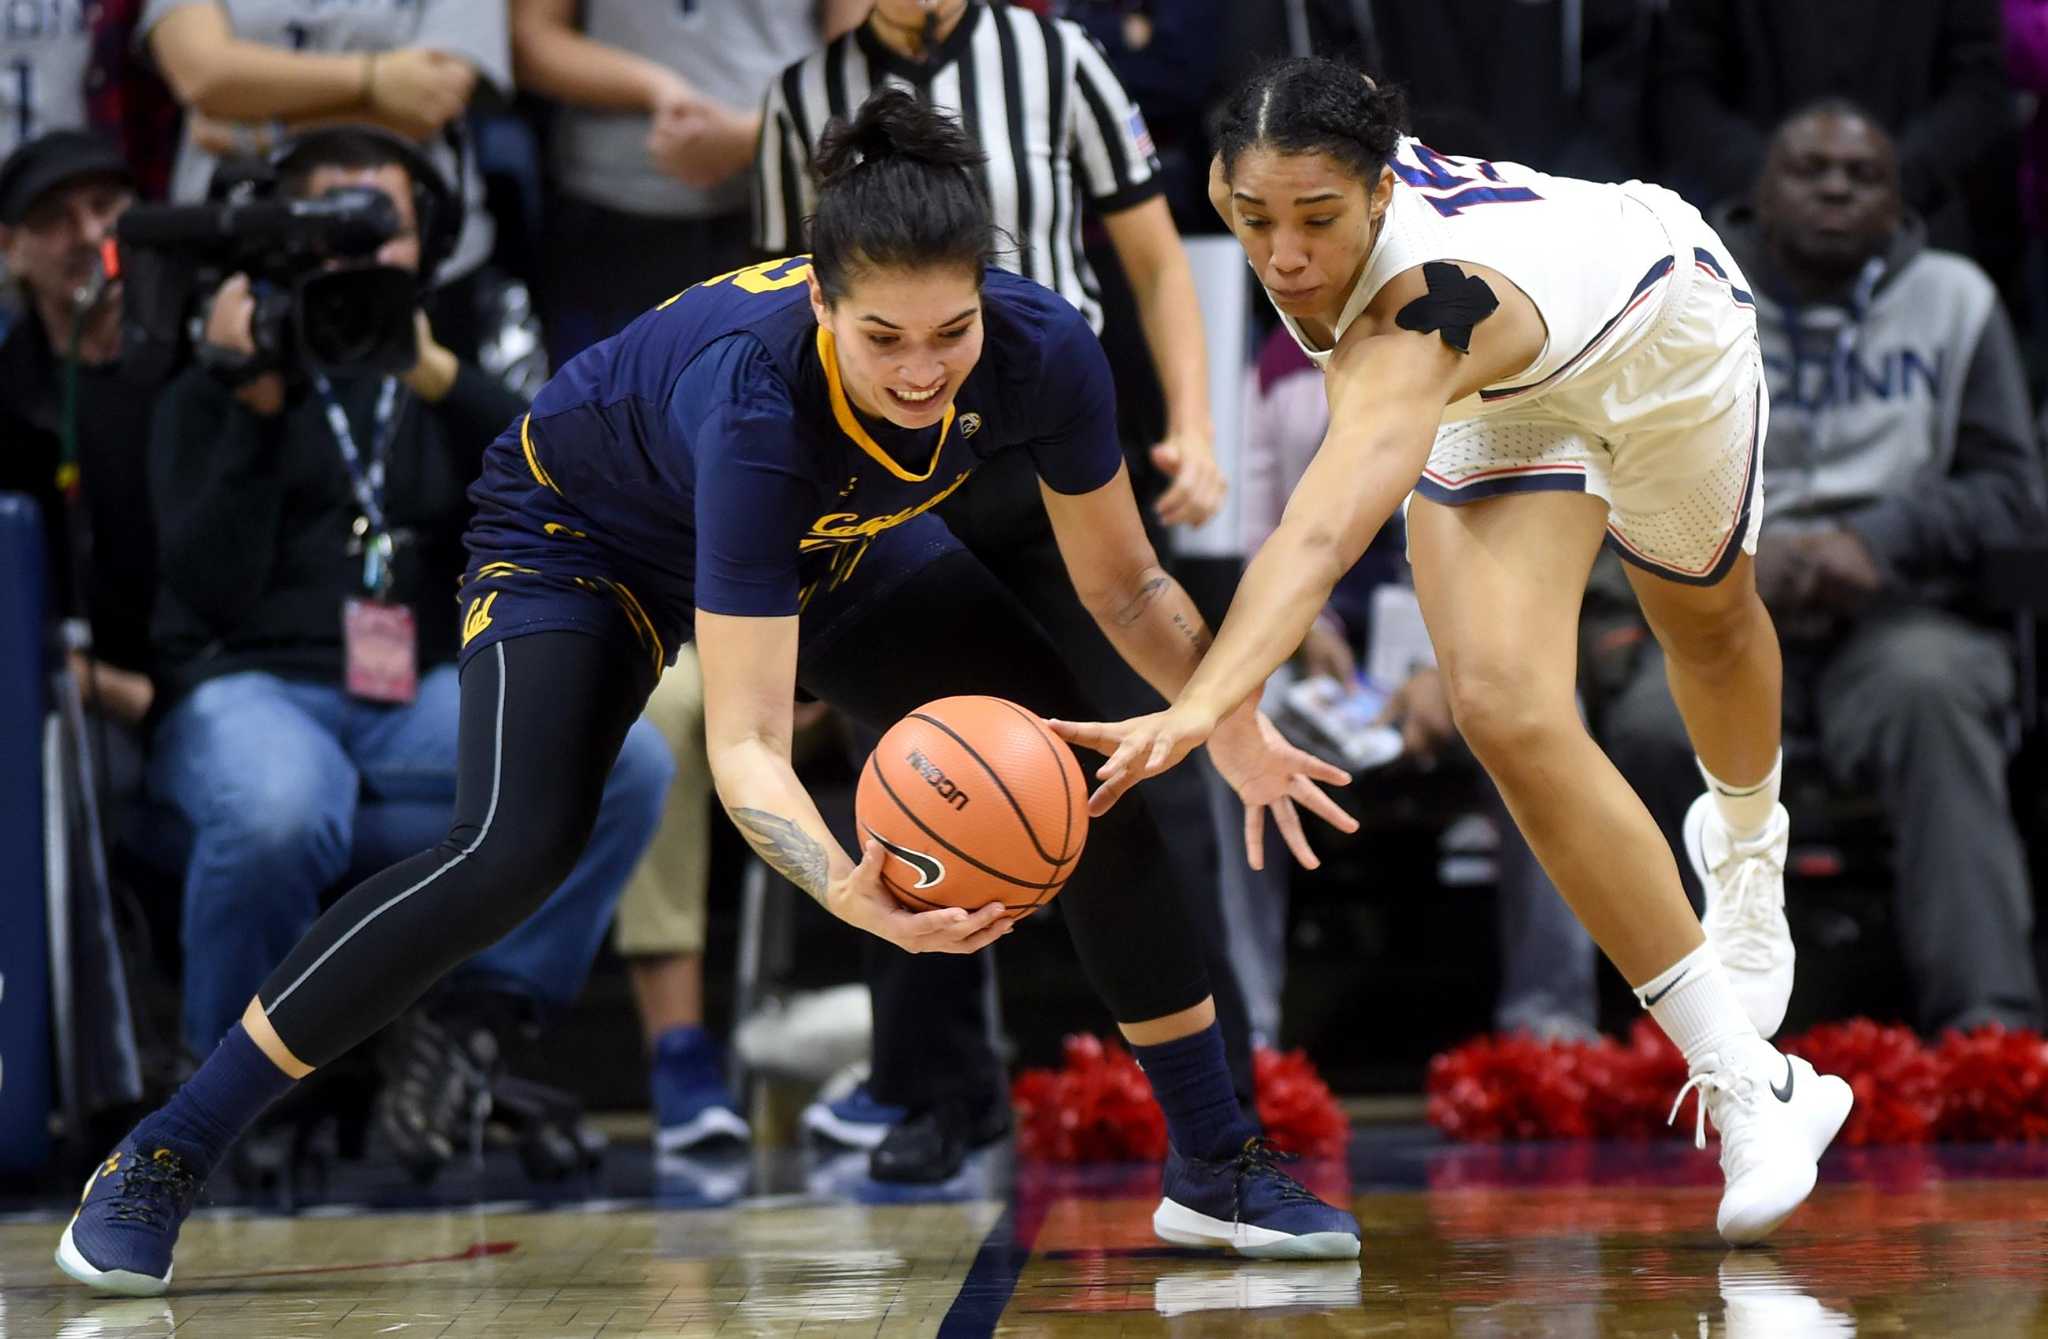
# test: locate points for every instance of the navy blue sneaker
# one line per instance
(855, 1120)
(1249, 1205)
(120, 1239)
(692, 1105)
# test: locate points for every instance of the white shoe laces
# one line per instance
(1735, 1091)
(1748, 920)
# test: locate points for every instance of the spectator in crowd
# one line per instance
(310, 539)
(69, 66)
(658, 116)
(45, 49)
(1547, 959)
(60, 195)
(2026, 50)
(1900, 445)
(126, 99)
(1168, 56)
(252, 72)
(1060, 134)
(659, 112)
(1930, 72)
(1559, 87)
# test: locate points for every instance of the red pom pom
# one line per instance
(1897, 1081)
(1991, 1084)
(1508, 1088)
(1098, 1107)
(1996, 1086)
(1299, 1112)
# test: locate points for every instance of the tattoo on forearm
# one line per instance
(787, 848)
(1197, 635)
(1147, 593)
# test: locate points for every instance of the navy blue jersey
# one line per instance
(710, 449)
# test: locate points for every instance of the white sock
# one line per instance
(1745, 810)
(1694, 1004)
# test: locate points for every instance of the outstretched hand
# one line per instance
(860, 900)
(1272, 776)
(1269, 774)
(1137, 748)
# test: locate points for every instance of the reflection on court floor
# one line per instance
(1567, 1240)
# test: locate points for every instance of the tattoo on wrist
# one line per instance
(787, 848)
(1147, 593)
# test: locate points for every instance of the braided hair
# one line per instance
(899, 187)
(1309, 104)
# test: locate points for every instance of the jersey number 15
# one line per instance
(1452, 185)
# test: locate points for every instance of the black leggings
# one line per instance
(543, 717)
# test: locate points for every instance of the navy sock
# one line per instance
(1192, 1083)
(680, 1040)
(216, 1103)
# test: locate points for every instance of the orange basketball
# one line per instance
(974, 800)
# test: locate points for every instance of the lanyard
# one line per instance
(367, 480)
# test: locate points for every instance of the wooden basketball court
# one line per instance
(1569, 1240)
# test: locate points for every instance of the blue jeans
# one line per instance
(293, 787)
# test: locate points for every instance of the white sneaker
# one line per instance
(1745, 915)
(1762, 1300)
(1776, 1115)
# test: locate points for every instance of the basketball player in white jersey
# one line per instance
(1545, 365)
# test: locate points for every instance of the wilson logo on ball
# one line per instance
(936, 779)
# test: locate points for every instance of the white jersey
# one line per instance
(1593, 258)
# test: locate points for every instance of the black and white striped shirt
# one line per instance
(1037, 94)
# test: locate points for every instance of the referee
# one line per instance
(1060, 135)
(1059, 132)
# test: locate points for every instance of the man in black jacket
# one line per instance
(310, 537)
(60, 195)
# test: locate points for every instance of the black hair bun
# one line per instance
(892, 124)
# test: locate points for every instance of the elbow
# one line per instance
(198, 85)
(1120, 601)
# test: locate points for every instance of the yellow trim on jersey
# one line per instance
(532, 461)
(848, 527)
(828, 354)
(499, 569)
(636, 617)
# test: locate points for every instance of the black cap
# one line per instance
(48, 161)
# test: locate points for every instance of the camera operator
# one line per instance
(311, 543)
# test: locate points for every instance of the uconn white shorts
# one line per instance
(1671, 435)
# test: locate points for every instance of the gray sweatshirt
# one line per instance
(1898, 409)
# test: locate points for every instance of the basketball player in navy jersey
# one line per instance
(752, 464)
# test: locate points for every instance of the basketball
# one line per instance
(974, 800)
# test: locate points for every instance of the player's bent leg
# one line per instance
(1726, 674)
(542, 720)
(1500, 583)
(1138, 949)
